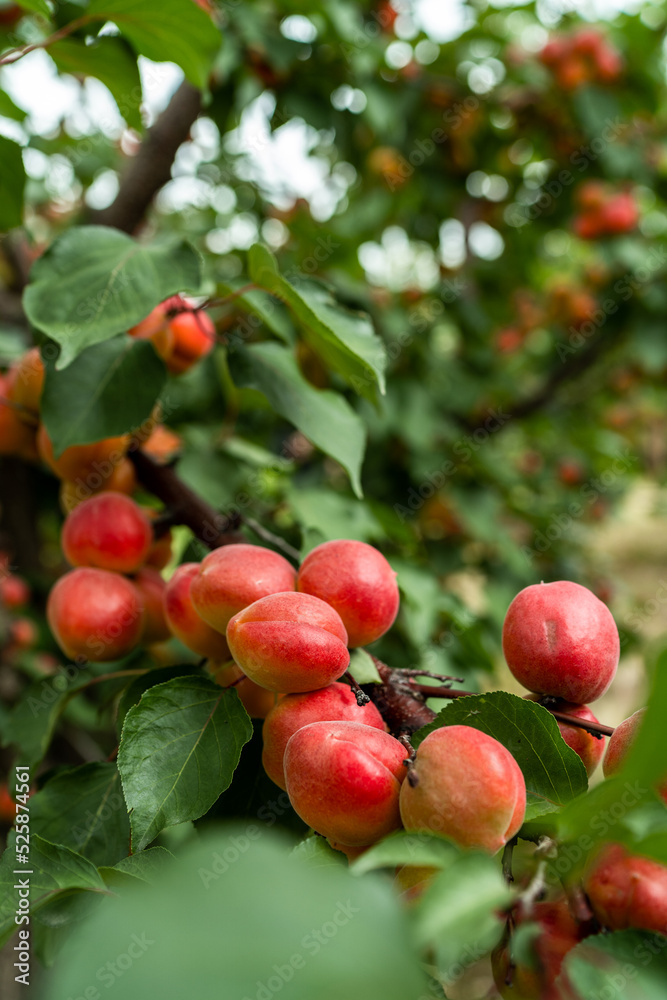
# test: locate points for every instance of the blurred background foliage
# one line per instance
(446, 173)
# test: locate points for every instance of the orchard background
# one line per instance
(432, 242)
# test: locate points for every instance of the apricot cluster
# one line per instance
(113, 598)
(604, 211)
(180, 333)
(582, 57)
(17, 632)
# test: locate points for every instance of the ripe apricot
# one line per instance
(184, 621)
(95, 614)
(109, 531)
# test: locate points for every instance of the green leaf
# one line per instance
(83, 808)
(147, 866)
(33, 719)
(362, 667)
(633, 962)
(317, 853)
(175, 31)
(178, 752)
(9, 110)
(112, 62)
(553, 772)
(218, 924)
(345, 340)
(459, 914)
(37, 7)
(133, 692)
(403, 848)
(54, 869)
(272, 312)
(12, 184)
(323, 416)
(107, 390)
(95, 282)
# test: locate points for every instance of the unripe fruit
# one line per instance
(151, 586)
(356, 580)
(28, 381)
(343, 779)
(96, 614)
(109, 531)
(194, 338)
(234, 576)
(289, 642)
(469, 788)
(82, 460)
(626, 890)
(560, 640)
(184, 621)
(587, 746)
(335, 703)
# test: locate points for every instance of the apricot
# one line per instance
(7, 805)
(626, 890)
(184, 621)
(587, 746)
(194, 338)
(344, 780)
(123, 479)
(289, 642)
(95, 614)
(109, 531)
(234, 576)
(559, 933)
(16, 437)
(356, 580)
(155, 328)
(28, 382)
(151, 587)
(14, 591)
(257, 701)
(619, 744)
(92, 463)
(335, 703)
(559, 639)
(159, 553)
(469, 788)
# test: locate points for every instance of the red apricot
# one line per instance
(626, 890)
(234, 576)
(469, 788)
(289, 642)
(344, 778)
(109, 531)
(194, 338)
(184, 621)
(620, 742)
(14, 591)
(560, 640)
(587, 746)
(151, 586)
(335, 703)
(95, 614)
(356, 580)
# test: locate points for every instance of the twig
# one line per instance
(361, 696)
(272, 539)
(18, 53)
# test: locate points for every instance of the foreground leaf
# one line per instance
(178, 752)
(112, 62)
(208, 938)
(108, 390)
(628, 964)
(553, 773)
(323, 416)
(94, 282)
(12, 184)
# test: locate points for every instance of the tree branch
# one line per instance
(150, 169)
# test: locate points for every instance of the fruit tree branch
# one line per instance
(150, 169)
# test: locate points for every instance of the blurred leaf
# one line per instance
(12, 184)
(346, 341)
(108, 390)
(93, 283)
(33, 719)
(323, 416)
(176, 31)
(403, 848)
(333, 515)
(633, 961)
(179, 748)
(112, 62)
(553, 772)
(9, 110)
(83, 808)
(347, 936)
